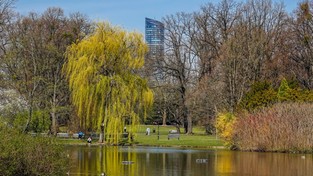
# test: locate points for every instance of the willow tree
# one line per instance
(105, 88)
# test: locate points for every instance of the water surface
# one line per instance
(156, 161)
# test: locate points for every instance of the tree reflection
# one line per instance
(98, 160)
(133, 161)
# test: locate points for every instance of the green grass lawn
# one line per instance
(183, 141)
(165, 129)
(199, 139)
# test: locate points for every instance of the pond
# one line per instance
(158, 161)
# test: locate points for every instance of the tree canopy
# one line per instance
(32, 62)
(106, 90)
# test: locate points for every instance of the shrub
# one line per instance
(22, 154)
(40, 121)
(224, 127)
(284, 127)
(260, 95)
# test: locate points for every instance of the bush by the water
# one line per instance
(225, 127)
(285, 127)
(23, 154)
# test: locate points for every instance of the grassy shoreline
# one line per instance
(159, 138)
(186, 141)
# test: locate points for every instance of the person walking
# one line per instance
(148, 131)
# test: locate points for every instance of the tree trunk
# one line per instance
(185, 123)
(164, 117)
(53, 112)
(101, 137)
(30, 114)
(102, 134)
(53, 129)
(189, 127)
(187, 120)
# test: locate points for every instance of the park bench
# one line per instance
(124, 135)
(95, 136)
(173, 134)
(63, 135)
(39, 134)
(75, 136)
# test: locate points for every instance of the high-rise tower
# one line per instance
(154, 35)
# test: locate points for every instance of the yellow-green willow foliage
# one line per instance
(108, 159)
(105, 88)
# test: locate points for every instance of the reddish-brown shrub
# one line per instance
(284, 127)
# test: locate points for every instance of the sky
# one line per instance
(128, 14)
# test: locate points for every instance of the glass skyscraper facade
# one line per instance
(154, 35)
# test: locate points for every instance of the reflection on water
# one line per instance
(153, 161)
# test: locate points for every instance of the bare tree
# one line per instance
(254, 42)
(6, 18)
(215, 25)
(179, 61)
(34, 59)
(302, 47)
(59, 32)
(265, 22)
(213, 56)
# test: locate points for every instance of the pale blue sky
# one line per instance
(129, 14)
